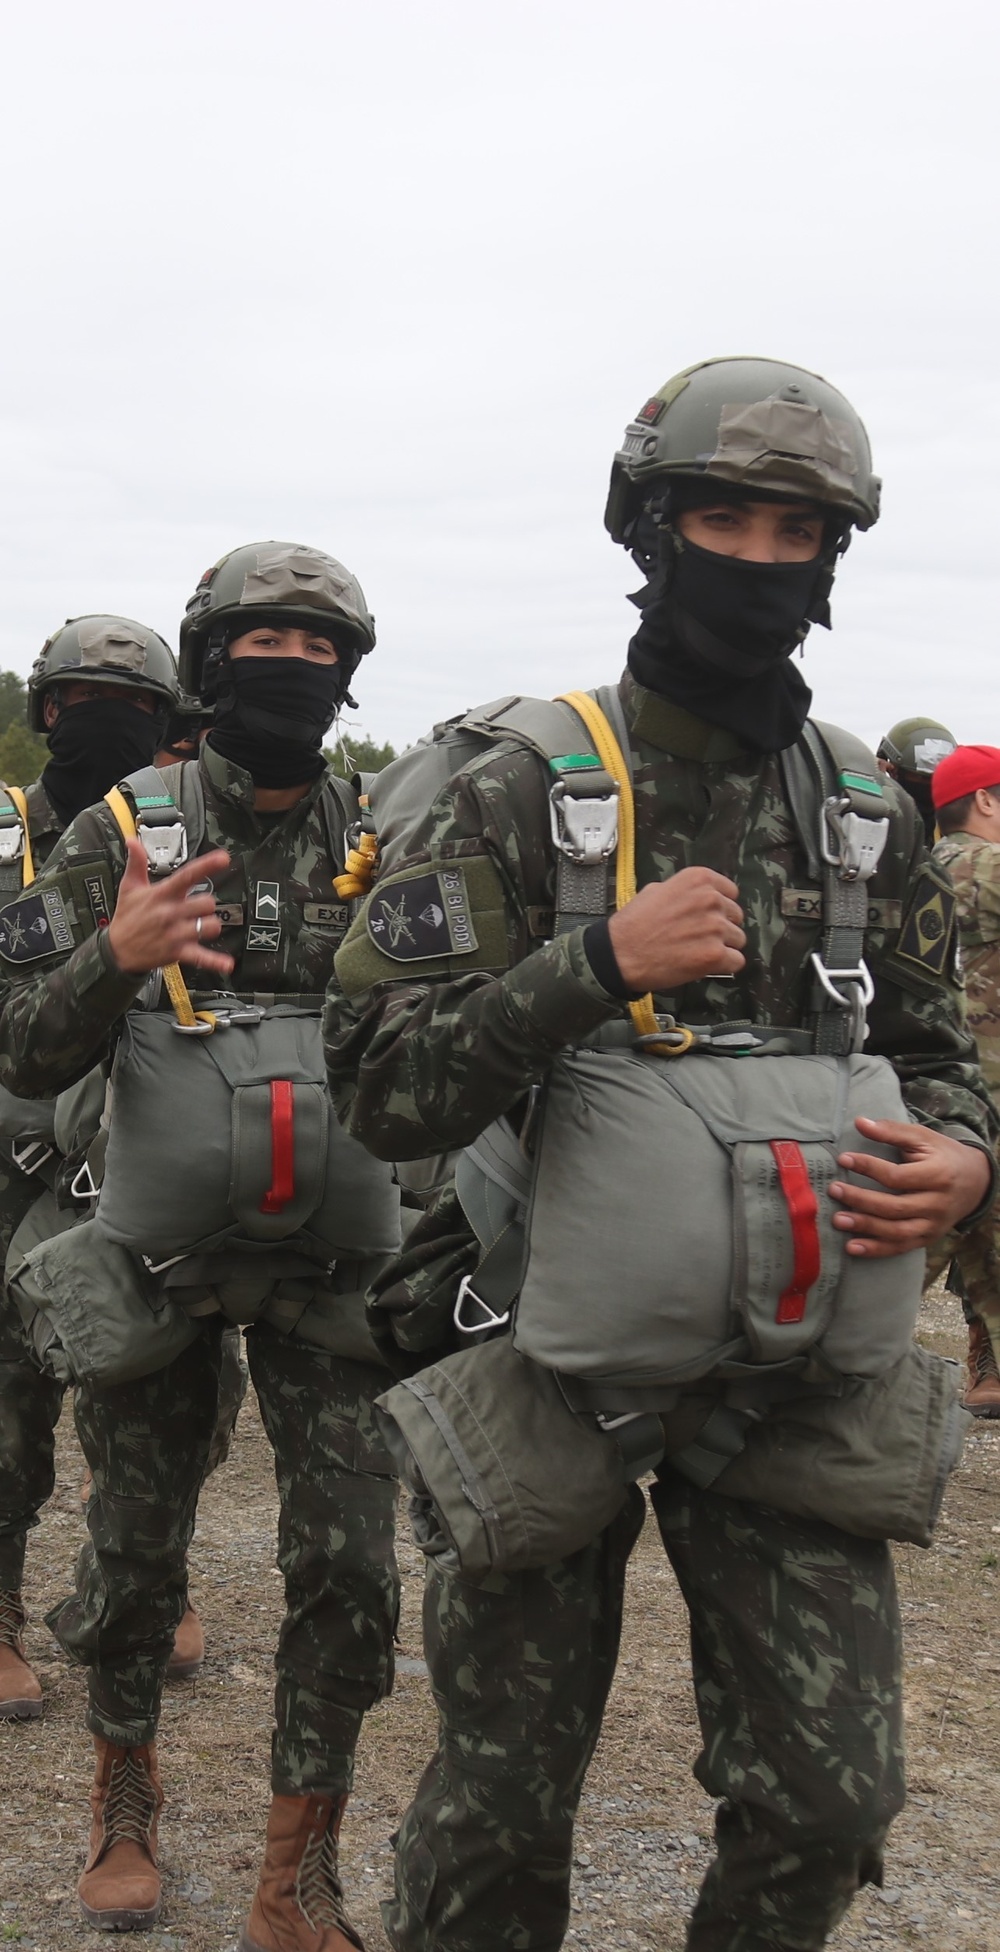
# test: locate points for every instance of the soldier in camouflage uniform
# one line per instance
(102, 715)
(736, 490)
(274, 632)
(967, 800)
(909, 753)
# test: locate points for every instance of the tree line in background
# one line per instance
(23, 753)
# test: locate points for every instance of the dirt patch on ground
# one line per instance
(643, 1837)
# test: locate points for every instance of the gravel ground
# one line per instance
(643, 1836)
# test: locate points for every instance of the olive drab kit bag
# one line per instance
(664, 1219)
(226, 1181)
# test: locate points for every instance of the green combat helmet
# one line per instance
(916, 745)
(281, 583)
(102, 650)
(755, 424)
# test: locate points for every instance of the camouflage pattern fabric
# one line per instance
(974, 867)
(795, 1634)
(797, 1669)
(234, 1377)
(148, 1445)
(30, 1401)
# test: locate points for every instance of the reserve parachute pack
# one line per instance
(664, 1221)
(222, 1135)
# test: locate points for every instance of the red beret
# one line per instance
(963, 772)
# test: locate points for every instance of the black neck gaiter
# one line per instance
(94, 745)
(272, 716)
(719, 639)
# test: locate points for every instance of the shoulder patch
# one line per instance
(36, 925)
(925, 936)
(435, 920)
(423, 918)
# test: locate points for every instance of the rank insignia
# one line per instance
(267, 902)
(37, 925)
(927, 930)
(261, 936)
(427, 916)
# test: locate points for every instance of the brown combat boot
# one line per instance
(120, 1888)
(299, 1903)
(982, 1395)
(189, 1648)
(20, 1689)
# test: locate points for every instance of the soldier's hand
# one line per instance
(678, 931)
(157, 922)
(937, 1182)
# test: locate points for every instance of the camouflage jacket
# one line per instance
(425, 1048)
(974, 868)
(61, 994)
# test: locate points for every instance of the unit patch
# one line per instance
(261, 936)
(927, 930)
(424, 917)
(35, 926)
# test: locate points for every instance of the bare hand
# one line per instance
(678, 931)
(157, 922)
(938, 1182)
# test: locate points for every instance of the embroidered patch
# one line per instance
(927, 930)
(260, 936)
(806, 905)
(326, 914)
(230, 914)
(35, 926)
(267, 902)
(427, 916)
(97, 897)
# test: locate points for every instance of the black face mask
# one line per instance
(94, 745)
(272, 716)
(717, 639)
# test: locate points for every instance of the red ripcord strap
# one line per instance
(282, 1187)
(803, 1210)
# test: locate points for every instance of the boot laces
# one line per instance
(986, 1362)
(11, 1621)
(130, 1804)
(317, 1887)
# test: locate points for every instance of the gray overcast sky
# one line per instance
(391, 277)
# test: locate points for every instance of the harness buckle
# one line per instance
(848, 842)
(11, 842)
(165, 844)
(21, 1155)
(490, 1318)
(584, 828)
(860, 988)
(82, 1185)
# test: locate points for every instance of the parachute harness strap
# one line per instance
(199, 1023)
(612, 759)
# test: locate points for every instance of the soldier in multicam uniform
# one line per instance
(909, 753)
(967, 801)
(274, 633)
(100, 690)
(736, 492)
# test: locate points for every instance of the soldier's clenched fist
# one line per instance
(679, 931)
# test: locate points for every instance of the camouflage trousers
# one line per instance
(30, 1403)
(148, 1444)
(796, 1655)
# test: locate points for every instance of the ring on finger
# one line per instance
(197, 926)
